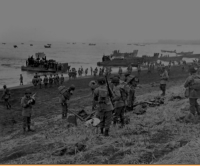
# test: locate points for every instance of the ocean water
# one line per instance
(77, 55)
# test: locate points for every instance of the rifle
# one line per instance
(109, 91)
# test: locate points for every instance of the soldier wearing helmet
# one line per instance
(163, 80)
(105, 107)
(65, 95)
(120, 97)
(27, 103)
(132, 82)
(6, 96)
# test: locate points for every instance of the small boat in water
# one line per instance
(22, 43)
(3, 43)
(168, 51)
(31, 44)
(15, 46)
(47, 46)
(185, 53)
(92, 44)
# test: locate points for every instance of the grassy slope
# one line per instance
(154, 137)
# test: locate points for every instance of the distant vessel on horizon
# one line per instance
(15, 46)
(92, 44)
(47, 46)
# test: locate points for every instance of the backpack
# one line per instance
(124, 93)
(103, 96)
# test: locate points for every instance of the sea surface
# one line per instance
(77, 55)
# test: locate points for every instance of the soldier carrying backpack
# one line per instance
(120, 97)
(105, 107)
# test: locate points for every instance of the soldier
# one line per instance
(40, 82)
(62, 79)
(120, 71)
(45, 81)
(192, 85)
(91, 69)
(34, 81)
(163, 80)
(50, 80)
(58, 79)
(93, 85)
(65, 95)
(21, 79)
(105, 107)
(27, 103)
(120, 97)
(131, 82)
(6, 96)
(86, 72)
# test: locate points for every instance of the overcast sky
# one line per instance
(99, 20)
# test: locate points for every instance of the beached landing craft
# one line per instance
(41, 64)
(121, 59)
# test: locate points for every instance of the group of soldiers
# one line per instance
(94, 72)
(48, 81)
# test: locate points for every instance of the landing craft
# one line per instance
(51, 66)
(15, 46)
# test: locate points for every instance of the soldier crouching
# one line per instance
(65, 95)
(105, 107)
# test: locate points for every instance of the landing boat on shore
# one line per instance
(37, 65)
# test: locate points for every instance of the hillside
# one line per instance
(157, 136)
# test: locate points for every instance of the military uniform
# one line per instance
(45, 81)
(6, 97)
(163, 81)
(105, 107)
(27, 111)
(194, 93)
(50, 81)
(61, 80)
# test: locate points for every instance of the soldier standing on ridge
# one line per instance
(192, 85)
(65, 95)
(105, 107)
(163, 80)
(27, 103)
(119, 101)
(6, 96)
(21, 79)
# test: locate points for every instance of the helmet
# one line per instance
(192, 70)
(115, 80)
(101, 80)
(72, 87)
(4, 86)
(28, 91)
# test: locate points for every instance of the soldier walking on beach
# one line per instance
(62, 79)
(27, 103)
(86, 72)
(120, 71)
(6, 96)
(192, 85)
(50, 80)
(34, 81)
(40, 82)
(91, 70)
(105, 107)
(21, 79)
(163, 80)
(45, 81)
(65, 95)
(58, 79)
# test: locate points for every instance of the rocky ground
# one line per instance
(158, 136)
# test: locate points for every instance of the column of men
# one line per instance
(52, 80)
